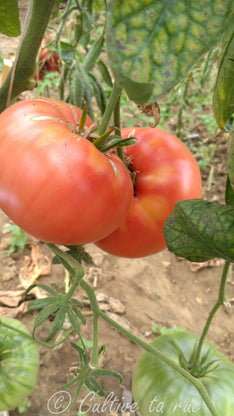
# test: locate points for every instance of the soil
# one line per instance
(159, 289)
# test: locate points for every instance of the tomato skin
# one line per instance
(48, 62)
(55, 184)
(153, 379)
(166, 173)
(19, 364)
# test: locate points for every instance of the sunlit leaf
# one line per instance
(199, 230)
(9, 18)
(152, 44)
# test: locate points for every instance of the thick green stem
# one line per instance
(149, 348)
(218, 304)
(20, 77)
(116, 91)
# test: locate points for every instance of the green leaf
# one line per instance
(77, 88)
(230, 157)
(57, 324)
(43, 315)
(199, 230)
(92, 55)
(9, 18)
(229, 193)
(223, 99)
(99, 93)
(104, 72)
(100, 372)
(40, 303)
(152, 44)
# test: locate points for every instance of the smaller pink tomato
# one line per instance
(166, 172)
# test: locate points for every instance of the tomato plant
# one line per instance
(156, 385)
(54, 183)
(19, 363)
(166, 172)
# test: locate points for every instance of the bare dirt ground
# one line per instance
(158, 289)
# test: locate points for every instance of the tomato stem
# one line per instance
(218, 304)
(95, 310)
(115, 94)
(19, 78)
(74, 267)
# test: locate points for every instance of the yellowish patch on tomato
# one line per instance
(155, 208)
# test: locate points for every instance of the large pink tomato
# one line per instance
(54, 183)
(166, 172)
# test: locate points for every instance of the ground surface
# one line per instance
(159, 289)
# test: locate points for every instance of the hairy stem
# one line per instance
(20, 77)
(116, 91)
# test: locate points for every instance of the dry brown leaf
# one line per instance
(11, 298)
(194, 267)
(107, 303)
(14, 312)
(34, 266)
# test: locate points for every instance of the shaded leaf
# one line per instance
(230, 157)
(92, 55)
(223, 99)
(57, 324)
(9, 18)
(76, 89)
(104, 72)
(152, 44)
(43, 315)
(199, 230)
(229, 193)
(100, 372)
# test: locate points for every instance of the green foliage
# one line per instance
(199, 230)
(18, 238)
(151, 45)
(48, 84)
(9, 18)
(224, 87)
(230, 158)
(24, 405)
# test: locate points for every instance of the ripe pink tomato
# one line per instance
(54, 183)
(166, 172)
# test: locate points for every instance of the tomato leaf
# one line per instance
(224, 88)
(229, 193)
(199, 230)
(92, 55)
(152, 44)
(230, 158)
(9, 18)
